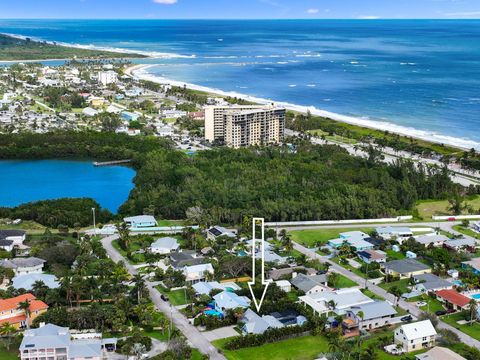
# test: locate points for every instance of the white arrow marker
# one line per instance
(258, 305)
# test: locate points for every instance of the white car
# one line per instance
(421, 303)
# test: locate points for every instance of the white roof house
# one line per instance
(416, 336)
(343, 299)
(434, 239)
(204, 288)
(196, 273)
(227, 300)
(140, 221)
(164, 245)
(217, 231)
(389, 232)
(21, 266)
(439, 353)
(88, 111)
(356, 239)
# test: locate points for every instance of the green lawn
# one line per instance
(344, 282)
(350, 267)
(371, 295)
(9, 355)
(428, 208)
(432, 304)
(466, 231)
(196, 355)
(401, 284)
(170, 222)
(472, 330)
(310, 238)
(134, 246)
(301, 348)
(176, 297)
(393, 255)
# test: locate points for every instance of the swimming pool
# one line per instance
(458, 282)
(475, 296)
(213, 312)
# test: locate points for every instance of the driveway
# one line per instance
(221, 333)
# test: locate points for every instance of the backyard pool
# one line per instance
(475, 296)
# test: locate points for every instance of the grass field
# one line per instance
(176, 297)
(301, 348)
(9, 355)
(427, 209)
(401, 284)
(466, 231)
(344, 282)
(310, 238)
(472, 330)
(432, 304)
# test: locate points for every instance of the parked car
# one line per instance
(164, 298)
(440, 312)
(406, 318)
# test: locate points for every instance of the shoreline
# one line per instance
(140, 71)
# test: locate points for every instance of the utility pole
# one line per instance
(94, 226)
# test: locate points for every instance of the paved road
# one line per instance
(447, 226)
(410, 307)
(195, 337)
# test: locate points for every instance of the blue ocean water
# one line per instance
(24, 181)
(420, 77)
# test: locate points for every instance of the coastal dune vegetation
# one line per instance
(222, 185)
(12, 48)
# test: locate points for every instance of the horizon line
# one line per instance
(245, 19)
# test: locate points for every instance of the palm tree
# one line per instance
(473, 311)
(6, 330)
(25, 307)
(334, 342)
(139, 285)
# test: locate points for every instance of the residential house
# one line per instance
(472, 265)
(398, 233)
(12, 314)
(355, 239)
(463, 244)
(255, 324)
(439, 353)
(284, 285)
(22, 266)
(6, 245)
(185, 258)
(434, 239)
(17, 236)
(129, 116)
(26, 281)
(165, 245)
(405, 268)
(430, 283)
(371, 315)
(290, 272)
(269, 254)
(140, 221)
(218, 231)
(196, 273)
(337, 301)
(372, 256)
(53, 342)
(204, 288)
(88, 111)
(453, 299)
(415, 336)
(227, 300)
(310, 284)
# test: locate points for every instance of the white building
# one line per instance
(244, 125)
(197, 273)
(416, 336)
(164, 245)
(141, 221)
(107, 77)
(399, 233)
(23, 266)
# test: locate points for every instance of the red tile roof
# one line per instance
(453, 297)
(12, 303)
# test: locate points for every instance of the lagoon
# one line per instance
(24, 181)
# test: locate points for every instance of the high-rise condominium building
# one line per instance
(244, 125)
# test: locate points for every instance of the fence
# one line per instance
(338, 222)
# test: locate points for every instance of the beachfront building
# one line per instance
(244, 125)
(12, 314)
(53, 342)
(416, 336)
(405, 268)
(107, 77)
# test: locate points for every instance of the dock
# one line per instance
(108, 163)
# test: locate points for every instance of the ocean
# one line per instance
(416, 77)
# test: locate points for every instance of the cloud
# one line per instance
(464, 14)
(165, 2)
(368, 17)
(312, 11)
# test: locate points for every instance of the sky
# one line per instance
(242, 9)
